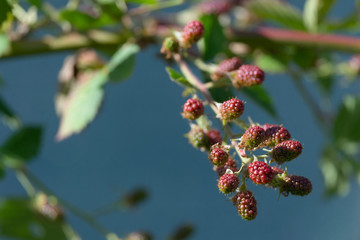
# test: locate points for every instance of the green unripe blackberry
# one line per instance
(197, 137)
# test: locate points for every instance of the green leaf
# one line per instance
(278, 12)
(142, 1)
(82, 105)
(9, 117)
(4, 44)
(22, 146)
(83, 21)
(214, 39)
(311, 18)
(5, 9)
(347, 121)
(177, 77)
(259, 95)
(324, 8)
(349, 23)
(18, 219)
(36, 3)
(221, 94)
(336, 169)
(270, 63)
(122, 63)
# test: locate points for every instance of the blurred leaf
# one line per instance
(85, 97)
(82, 105)
(83, 21)
(183, 232)
(310, 15)
(214, 38)
(277, 11)
(270, 63)
(347, 121)
(324, 75)
(142, 1)
(178, 77)
(349, 23)
(324, 8)
(304, 57)
(19, 220)
(9, 117)
(337, 169)
(4, 44)
(221, 94)
(2, 172)
(36, 3)
(259, 95)
(135, 197)
(122, 62)
(5, 9)
(22, 146)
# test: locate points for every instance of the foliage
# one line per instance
(302, 45)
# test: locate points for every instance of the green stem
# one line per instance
(257, 38)
(25, 183)
(308, 98)
(78, 212)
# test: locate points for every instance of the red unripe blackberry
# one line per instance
(231, 109)
(227, 65)
(214, 137)
(275, 134)
(216, 7)
(192, 33)
(228, 183)
(260, 172)
(246, 205)
(297, 185)
(252, 138)
(198, 138)
(248, 75)
(193, 109)
(286, 151)
(230, 164)
(218, 156)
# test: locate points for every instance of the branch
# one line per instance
(271, 36)
(263, 36)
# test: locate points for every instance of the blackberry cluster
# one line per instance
(274, 140)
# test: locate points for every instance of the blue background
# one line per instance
(137, 140)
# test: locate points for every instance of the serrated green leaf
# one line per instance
(178, 77)
(142, 1)
(122, 63)
(82, 105)
(9, 117)
(279, 12)
(310, 15)
(260, 96)
(22, 146)
(347, 121)
(214, 38)
(83, 21)
(4, 44)
(269, 63)
(19, 220)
